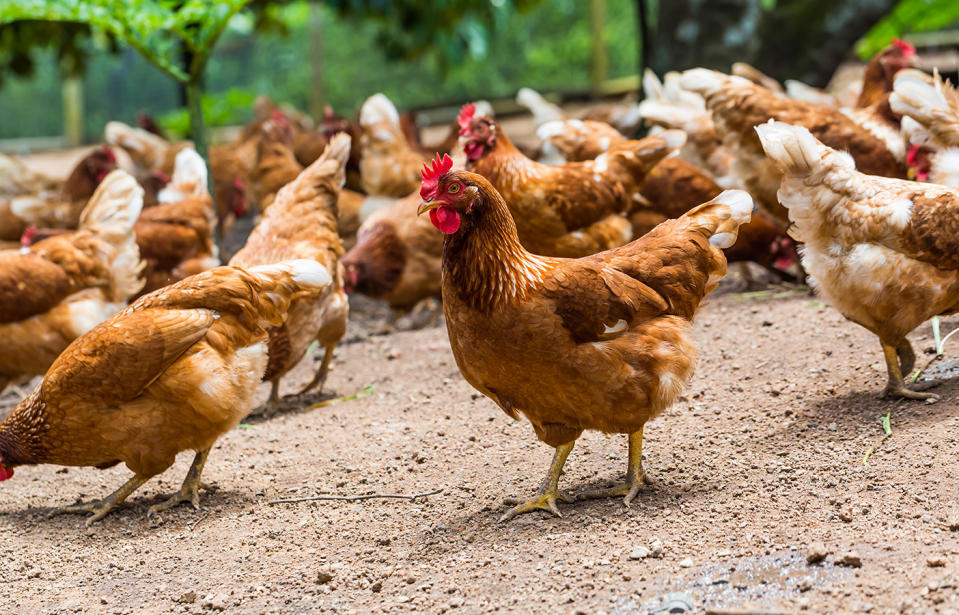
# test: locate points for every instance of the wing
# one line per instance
(596, 300)
(118, 359)
(29, 285)
(932, 234)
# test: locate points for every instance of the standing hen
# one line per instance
(57, 289)
(569, 210)
(884, 251)
(302, 223)
(601, 342)
(173, 372)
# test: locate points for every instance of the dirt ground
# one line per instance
(757, 468)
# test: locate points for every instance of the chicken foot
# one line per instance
(548, 492)
(274, 404)
(897, 386)
(320, 377)
(636, 477)
(101, 507)
(190, 489)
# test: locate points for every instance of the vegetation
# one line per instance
(520, 47)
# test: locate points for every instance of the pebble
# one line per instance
(376, 587)
(686, 563)
(187, 598)
(639, 552)
(816, 552)
(935, 562)
(656, 549)
(323, 577)
(849, 558)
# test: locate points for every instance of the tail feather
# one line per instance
(110, 214)
(724, 215)
(189, 178)
(329, 167)
(793, 148)
(280, 283)
(935, 105)
(146, 148)
(703, 81)
(543, 111)
(378, 108)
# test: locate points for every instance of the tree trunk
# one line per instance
(599, 63)
(73, 110)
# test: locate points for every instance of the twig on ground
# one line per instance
(887, 431)
(354, 498)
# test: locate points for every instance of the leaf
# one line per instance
(907, 16)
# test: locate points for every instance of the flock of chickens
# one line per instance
(569, 274)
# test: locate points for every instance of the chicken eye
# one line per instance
(454, 188)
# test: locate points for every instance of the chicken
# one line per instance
(568, 210)
(149, 124)
(308, 146)
(276, 166)
(738, 105)
(389, 166)
(751, 73)
(16, 178)
(577, 140)
(176, 236)
(601, 342)
(229, 163)
(667, 105)
(60, 208)
(173, 372)
(397, 257)
(302, 223)
(675, 186)
(57, 289)
(624, 117)
(872, 108)
(882, 251)
(934, 106)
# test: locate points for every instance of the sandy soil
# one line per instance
(762, 460)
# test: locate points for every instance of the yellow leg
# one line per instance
(548, 492)
(101, 507)
(896, 387)
(320, 377)
(635, 476)
(190, 490)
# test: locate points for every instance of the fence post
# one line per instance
(73, 110)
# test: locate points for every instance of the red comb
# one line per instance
(106, 151)
(432, 174)
(905, 46)
(465, 117)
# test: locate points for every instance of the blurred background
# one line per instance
(60, 82)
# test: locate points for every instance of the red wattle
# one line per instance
(445, 219)
(783, 262)
(473, 150)
(5, 473)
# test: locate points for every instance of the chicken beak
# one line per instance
(426, 206)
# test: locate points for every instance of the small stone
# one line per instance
(804, 585)
(686, 563)
(187, 598)
(935, 562)
(656, 549)
(410, 580)
(376, 587)
(639, 552)
(849, 558)
(103, 600)
(323, 577)
(845, 515)
(816, 552)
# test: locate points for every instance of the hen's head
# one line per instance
(479, 132)
(919, 159)
(238, 198)
(99, 163)
(456, 200)
(897, 56)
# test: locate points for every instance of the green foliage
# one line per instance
(219, 109)
(908, 16)
(158, 29)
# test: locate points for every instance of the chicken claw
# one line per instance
(549, 491)
(320, 377)
(636, 477)
(896, 388)
(100, 508)
(189, 491)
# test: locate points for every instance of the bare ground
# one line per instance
(760, 461)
